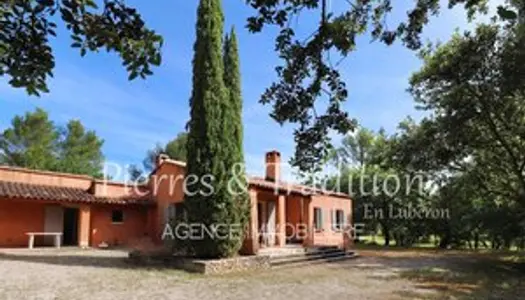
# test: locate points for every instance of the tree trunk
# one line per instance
(386, 234)
(444, 242)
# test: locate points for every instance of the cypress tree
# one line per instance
(209, 145)
(234, 128)
(232, 81)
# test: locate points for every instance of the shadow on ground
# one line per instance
(454, 275)
(89, 258)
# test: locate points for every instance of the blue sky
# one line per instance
(133, 116)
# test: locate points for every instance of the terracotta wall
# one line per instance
(44, 178)
(17, 218)
(166, 185)
(293, 214)
(103, 188)
(134, 227)
(328, 236)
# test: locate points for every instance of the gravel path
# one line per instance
(91, 274)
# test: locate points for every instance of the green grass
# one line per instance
(380, 241)
(368, 241)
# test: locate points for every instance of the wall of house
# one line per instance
(294, 215)
(17, 218)
(22, 175)
(166, 186)
(20, 216)
(133, 228)
(268, 199)
(327, 235)
(102, 188)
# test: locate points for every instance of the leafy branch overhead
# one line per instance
(308, 73)
(26, 26)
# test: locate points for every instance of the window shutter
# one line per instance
(334, 219)
(321, 223)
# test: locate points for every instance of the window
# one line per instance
(338, 219)
(318, 218)
(117, 216)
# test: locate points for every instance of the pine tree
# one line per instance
(80, 151)
(208, 141)
(30, 142)
(33, 141)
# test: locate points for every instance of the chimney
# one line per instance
(160, 158)
(273, 165)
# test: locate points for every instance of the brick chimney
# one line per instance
(273, 165)
(160, 158)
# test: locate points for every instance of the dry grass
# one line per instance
(477, 276)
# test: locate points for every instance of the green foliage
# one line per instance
(473, 141)
(213, 149)
(232, 81)
(234, 158)
(80, 151)
(33, 141)
(366, 172)
(26, 55)
(475, 86)
(308, 73)
(175, 149)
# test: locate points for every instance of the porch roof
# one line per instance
(291, 188)
(263, 183)
(64, 194)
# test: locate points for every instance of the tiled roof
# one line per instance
(133, 199)
(281, 186)
(286, 187)
(63, 194)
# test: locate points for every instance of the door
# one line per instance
(70, 225)
(54, 216)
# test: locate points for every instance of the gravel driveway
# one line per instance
(104, 274)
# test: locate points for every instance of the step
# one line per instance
(282, 251)
(320, 254)
(318, 260)
(309, 254)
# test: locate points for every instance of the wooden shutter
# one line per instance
(333, 219)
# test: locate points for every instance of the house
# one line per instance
(89, 212)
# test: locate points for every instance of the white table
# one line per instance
(57, 235)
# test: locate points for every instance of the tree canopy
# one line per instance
(33, 141)
(306, 78)
(26, 27)
(469, 147)
(308, 75)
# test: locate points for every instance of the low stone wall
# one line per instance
(229, 265)
(202, 266)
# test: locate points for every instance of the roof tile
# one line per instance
(67, 194)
